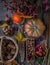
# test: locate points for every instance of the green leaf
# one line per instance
(39, 59)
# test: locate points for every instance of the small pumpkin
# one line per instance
(34, 28)
(17, 19)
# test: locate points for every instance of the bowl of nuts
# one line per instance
(8, 49)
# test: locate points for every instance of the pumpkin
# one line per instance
(34, 28)
(17, 19)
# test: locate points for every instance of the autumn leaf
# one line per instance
(17, 38)
(4, 25)
(24, 39)
(21, 38)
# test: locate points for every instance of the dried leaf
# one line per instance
(17, 38)
(24, 39)
(4, 25)
(20, 36)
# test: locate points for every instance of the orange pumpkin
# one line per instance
(17, 19)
